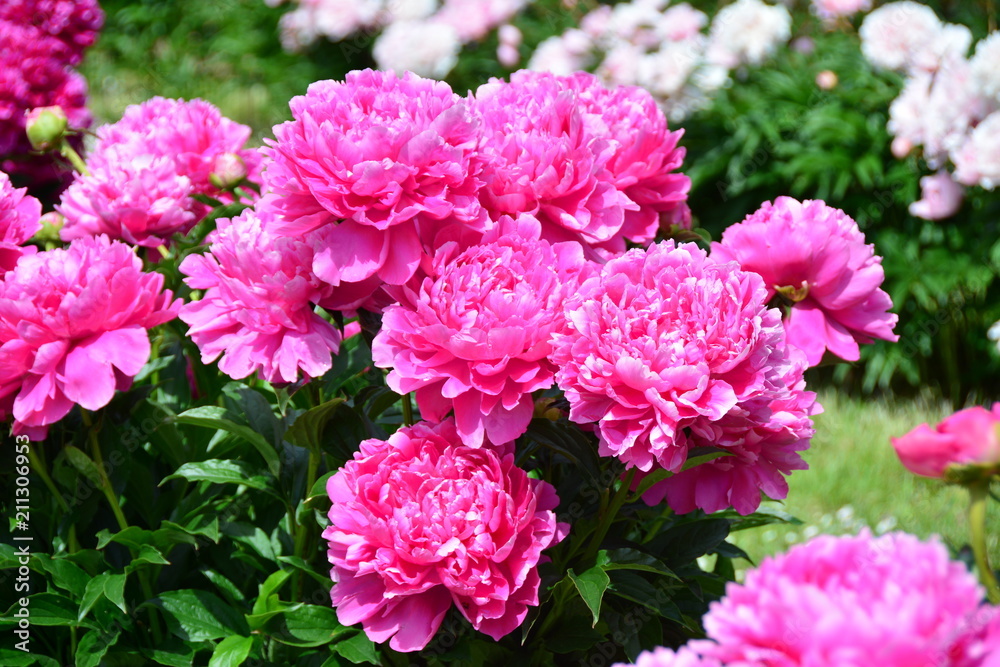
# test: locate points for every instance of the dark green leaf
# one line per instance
(211, 416)
(591, 585)
(308, 625)
(359, 649)
(199, 615)
(307, 429)
(94, 645)
(223, 472)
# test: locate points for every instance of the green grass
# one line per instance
(855, 479)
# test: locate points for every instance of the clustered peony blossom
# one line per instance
(476, 337)
(73, 329)
(75, 23)
(892, 601)
(257, 311)
(19, 221)
(34, 72)
(893, 34)
(816, 257)
(145, 169)
(665, 49)
(668, 342)
(747, 32)
(970, 436)
(426, 48)
(592, 165)
(382, 167)
(985, 72)
(421, 522)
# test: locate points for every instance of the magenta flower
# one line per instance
(645, 159)
(476, 337)
(762, 438)
(664, 339)
(75, 23)
(73, 329)
(978, 645)
(891, 601)
(664, 657)
(34, 72)
(421, 522)
(19, 221)
(380, 164)
(257, 310)
(145, 169)
(970, 436)
(543, 157)
(815, 256)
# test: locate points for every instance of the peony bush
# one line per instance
(446, 377)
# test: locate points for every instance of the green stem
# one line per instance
(74, 158)
(38, 466)
(116, 508)
(609, 515)
(407, 410)
(978, 492)
(302, 531)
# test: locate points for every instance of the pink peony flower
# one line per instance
(146, 167)
(664, 657)
(75, 23)
(940, 197)
(73, 329)
(594, 165)
(762, 438)
(19, 221)
(421, 521)
(141, 200)
(668, 339)
(645, 160)
(381, 164)
(891, 601)
(475, 338)
(969, 436)
(257, 310)
(816, 256)
(978, 644)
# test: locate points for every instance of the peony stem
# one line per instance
(407, 411)
(978, 493)
(74, 158)
(106, 487)
(38, 467)
(116, 508)
(611, 513)
(302, 532)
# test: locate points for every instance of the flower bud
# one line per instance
(827, 80)
(230, 170)
(46, 127)
(52, 222)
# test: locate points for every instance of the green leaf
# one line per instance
(231, 652)
(632, 559)
(84, 465)
(148, 555)
(301, 564)
(207, 526)
(308, 625)
(111, 586)
(15, 658)
(171, 652)
(591, 585)
(199, 615)
(307, 429)
(268, 588)
(698, 459)
(223, 472)
(211, 416)
(94, 645)
(65, 574)
(49, 609)
(651, 479)
(359, 649)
